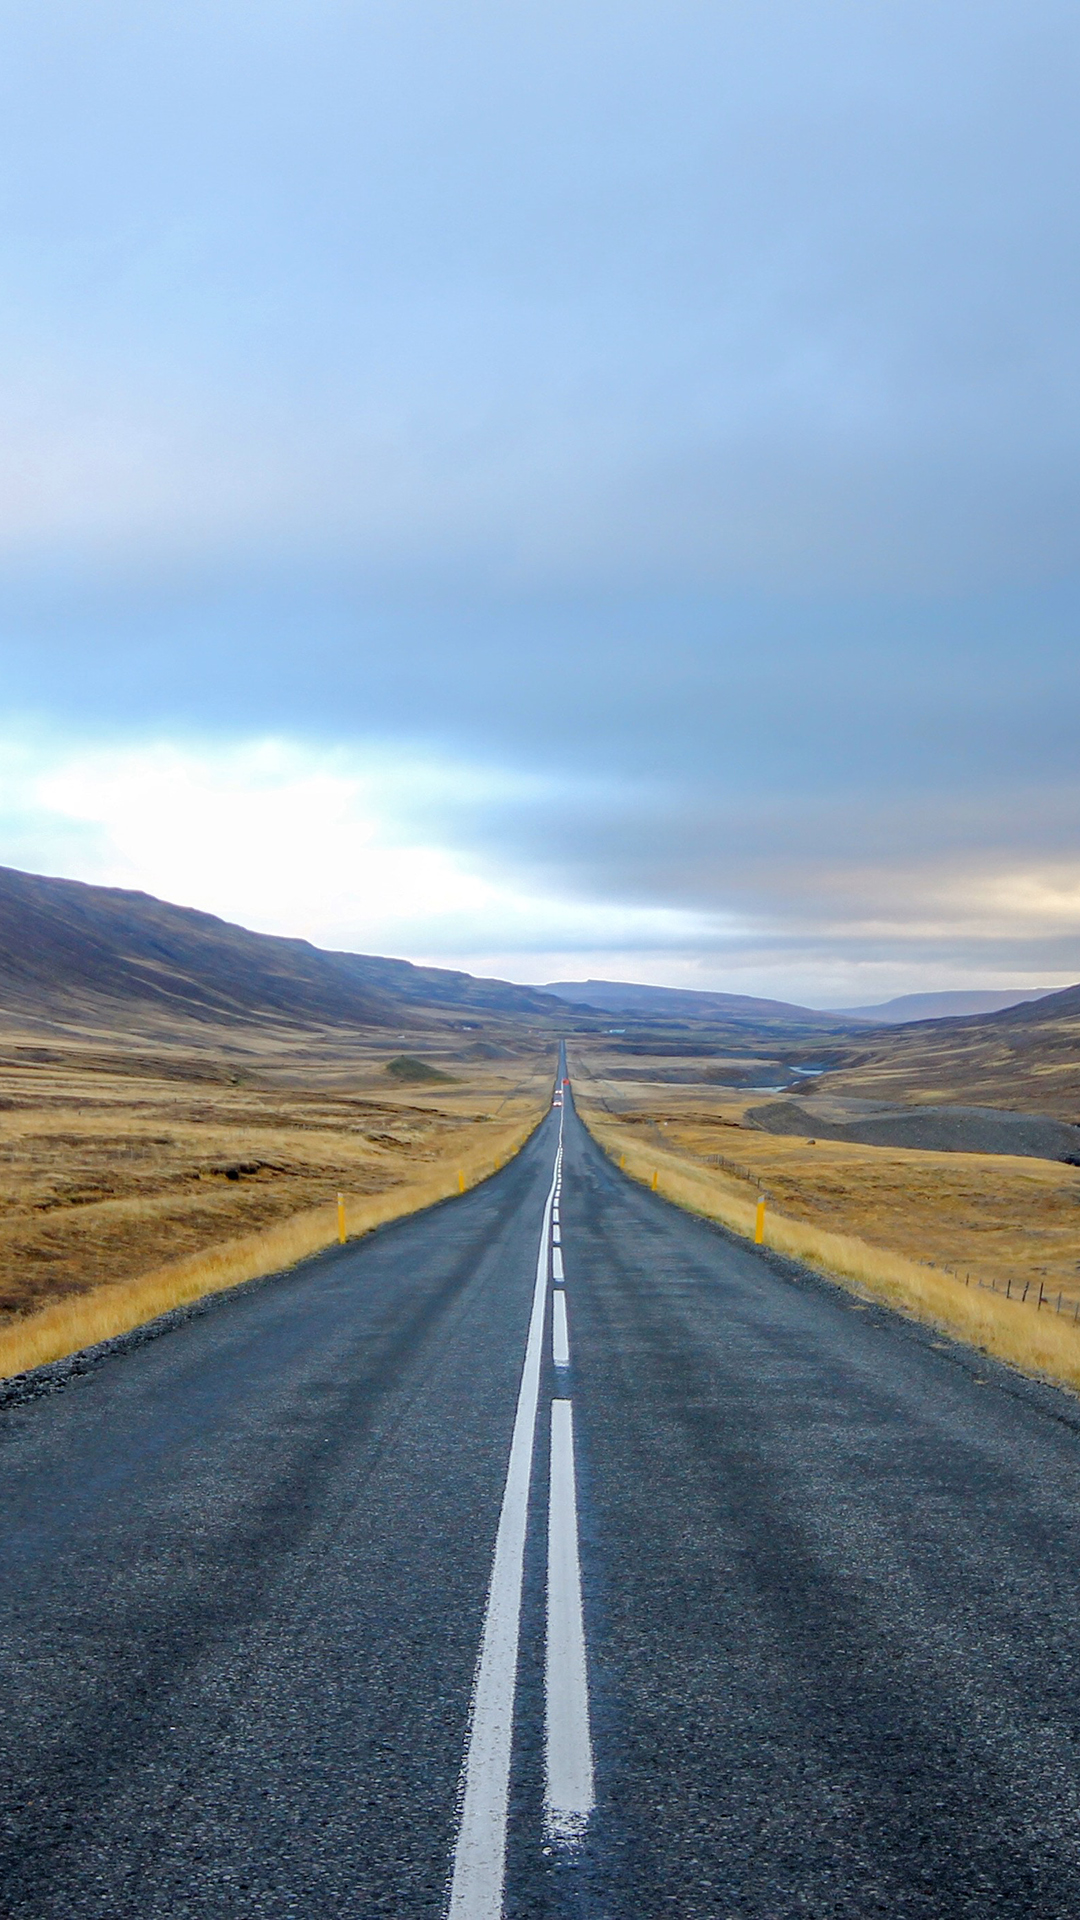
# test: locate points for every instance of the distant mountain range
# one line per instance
(623, 996)
(109, 956)
(1024, 1058)
(935, 1049)
(658, 1003)
(939, 1006)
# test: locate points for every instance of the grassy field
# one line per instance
(945, 1236)
(132, 1177)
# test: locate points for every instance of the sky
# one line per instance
(558, 490)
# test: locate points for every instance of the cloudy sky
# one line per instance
(555, 489)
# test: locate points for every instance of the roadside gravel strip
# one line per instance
(386, 1589)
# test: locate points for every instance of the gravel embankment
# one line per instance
(935, 1129)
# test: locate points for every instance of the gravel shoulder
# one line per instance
(935, 1129)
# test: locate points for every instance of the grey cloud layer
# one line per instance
(709, 292)
(682, 398)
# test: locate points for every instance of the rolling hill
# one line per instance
(103, 959)
(685, 1003)
(76, 953)
(951, 1005)
(1025, 1058)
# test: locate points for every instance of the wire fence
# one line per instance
(1021, 1292)
(1028, 1292)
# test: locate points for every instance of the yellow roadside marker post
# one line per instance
(341, 1218)
(759, 1224)
(461, 1183)
(655, 1178)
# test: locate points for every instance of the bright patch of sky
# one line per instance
(369, 844)
(554, 490)
(355, 834)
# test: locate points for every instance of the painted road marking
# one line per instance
(556, 1264)
(556, 1233)
(569, 1787)
(560, 1337)
(476, 1886)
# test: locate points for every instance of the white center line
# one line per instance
(556, 1264)
(560, 1338)
(569, 1790)
(476, 1886)
(555, 1233)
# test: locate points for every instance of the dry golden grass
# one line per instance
(131, 1182)
(888, 1223)
(66, 1326)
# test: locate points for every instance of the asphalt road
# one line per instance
(794, 1627)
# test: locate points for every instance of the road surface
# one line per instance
(346, 1599)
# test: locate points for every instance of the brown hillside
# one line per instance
(1026, 1058)
(70, 952)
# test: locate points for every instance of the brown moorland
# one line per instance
(110, 1163)
(922, 1229)
(181, 1097)
(1025, 1059)
(181, 1102)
